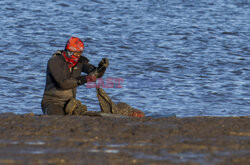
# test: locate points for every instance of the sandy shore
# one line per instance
(29, 139)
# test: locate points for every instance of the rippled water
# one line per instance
(175, 56)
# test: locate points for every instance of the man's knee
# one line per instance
(53, 109)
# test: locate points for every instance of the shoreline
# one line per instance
(40, 139)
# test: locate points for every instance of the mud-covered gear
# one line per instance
(104, 62)
(61, 81)
(75, 107)
(105, 102)
(74, 44)
(127, 110)
(108, 106)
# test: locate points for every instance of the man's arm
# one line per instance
(92, 71)
(88, 68)
(61, 75)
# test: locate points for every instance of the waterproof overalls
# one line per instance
(61, 83)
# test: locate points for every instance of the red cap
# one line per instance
(74, 44)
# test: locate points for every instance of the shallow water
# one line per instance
(175, 56)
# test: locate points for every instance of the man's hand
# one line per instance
(84, 79)
(104, 62)
(81, 80)
(99, 72)
(91, 78)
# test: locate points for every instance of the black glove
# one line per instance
(104, 62)
(99, 72)
(84, 79)
(81, 80)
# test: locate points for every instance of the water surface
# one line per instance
(175, 56)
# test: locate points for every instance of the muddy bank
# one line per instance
(105, 140)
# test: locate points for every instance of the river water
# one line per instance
(191, 58)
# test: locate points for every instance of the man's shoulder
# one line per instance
(57, 53)
(56, 57)
(83, 59)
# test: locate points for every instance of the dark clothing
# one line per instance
(61, 82)
(51, 108)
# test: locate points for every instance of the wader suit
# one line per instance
(61, 83)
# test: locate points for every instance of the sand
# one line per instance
(36, 139)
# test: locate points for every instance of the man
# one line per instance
(64, 76)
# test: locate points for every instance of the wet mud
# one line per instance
(33, 139)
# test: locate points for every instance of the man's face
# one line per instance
(77, 54)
